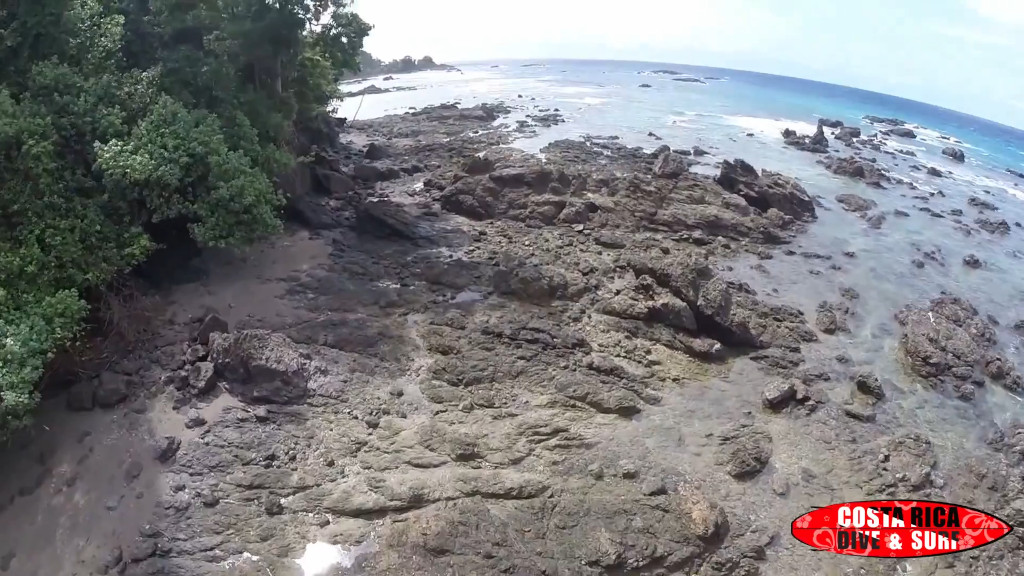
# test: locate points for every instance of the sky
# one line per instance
(967, 55)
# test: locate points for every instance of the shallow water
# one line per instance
(743, 116)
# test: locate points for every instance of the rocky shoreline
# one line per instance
(478, 361)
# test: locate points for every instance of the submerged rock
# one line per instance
(745, 450)
(855, 203)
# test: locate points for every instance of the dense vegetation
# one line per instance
(370, 66)
(120, 115)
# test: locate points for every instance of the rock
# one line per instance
(817, 143)
(858, 412)
(609, 240)
(900, 213)
(745, 450)
(945, 341)
(981, 204)
(386, 218)
(848, 133)
(539, 285)
(644, 86)
(828, 123)
(653, 487)
(375, 151)
(993, 226)
(1016, 173)
(854, 167)
(917, 262)
(195, 354)
(209, 499)
(778, 394)
(273, 506)
(478, 166)
(903, 132)
(972, 261)
(212, 324)
(697, 151)
(194, 419)
(690, 80)
(261, 367)
(779, 484)
(831, 318)
(372, 174)
(819, 139)
(876, 220)
(869, 385)
(933, 171)
(653, 135)
(166, 448)
(139, 550)
(109, 561)
(766, 190)
(954, 153)
(855, 203)
(201, 378)
(111, 390)
(335, 183)
(883, 120)
(80, 397)
(670, 165)
(132, 471)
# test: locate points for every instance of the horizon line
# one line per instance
(772, 74)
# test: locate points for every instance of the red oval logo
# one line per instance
(898, 528)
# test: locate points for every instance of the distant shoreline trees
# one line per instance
(371, 66)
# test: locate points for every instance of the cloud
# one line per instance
(1002, 11)
(474, 29)
(977, 36)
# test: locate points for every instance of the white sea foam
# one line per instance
(574, 90)
(320, 557)
(771, 127)
(589, 100)
(987, 182)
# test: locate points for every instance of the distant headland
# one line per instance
(371, 66)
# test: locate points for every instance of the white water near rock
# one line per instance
(320, 557)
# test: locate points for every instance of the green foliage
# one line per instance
(367, 65)
(119, 114)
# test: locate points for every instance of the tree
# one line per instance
(118, 115)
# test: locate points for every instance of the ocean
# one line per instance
(737, 114)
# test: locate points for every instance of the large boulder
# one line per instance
(946, 342)
(828, 123)
(848, 133)
(334, 183)
(903, 132)
(670, 165)
(766, 190)
(817, 143)
(261, 367)
(954, 153)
